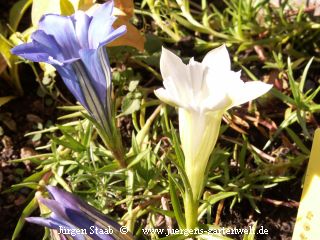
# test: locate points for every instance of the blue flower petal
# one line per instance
(43, 48)
(70, 79)
(32, 51)
(81, 25)
(49, 44)
(105, 65)
(101, 30)
(58, 210)
(62, 29)
(63, 214)
(55, 223)
(63, 197)
(73, 202)
(114, 35)
(50, 222)
(98, 79)
(95, 105)
(87, 222)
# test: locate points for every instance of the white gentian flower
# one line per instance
(202, 91)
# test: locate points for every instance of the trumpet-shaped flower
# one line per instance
(202, 91)
(74, 45)
(64, 41)
(72, 217)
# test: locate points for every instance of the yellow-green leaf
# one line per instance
(66, 7)
(5, 49)
(17, 11)
(4, 100)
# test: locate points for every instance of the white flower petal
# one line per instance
(198, 134)
(169, 98)
(172, 67)
(195, 73)
(217, 102)
(218, 59)
(248, 92)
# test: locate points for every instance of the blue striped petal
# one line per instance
(55, 223)
(101, 31)
(32, 51)
(73, 202)
(98, 79)
(40, 49)
(69, 77)
(81, 25)
(48, 43)
(62, 29)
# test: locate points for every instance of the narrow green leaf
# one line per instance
(163, 212)
(87, 136)
(282, 97)
(304, 75)
(57, 172)
(28, 210)
(312, 95)
(68, 140)
(74, 145)
(293, 85)
(176, 146)
(253, 203)
(176, 204)
(298, 141)
(17, 11)
(251, 235)
(71, 115)
(220, 196)
(138, 158)
(285, 123)
(35, 177)
(31, 185)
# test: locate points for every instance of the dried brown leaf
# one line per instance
(131, 38)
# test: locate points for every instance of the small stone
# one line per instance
(33, 118)
(27, 152)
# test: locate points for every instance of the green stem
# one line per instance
(156, 17)
(191, 211)
(119, 156)
(116, 149)
(148, 68)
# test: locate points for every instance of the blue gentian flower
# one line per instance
(74, 45)
(70, 216)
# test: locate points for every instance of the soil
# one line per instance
(278, 208)
(18, 117)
